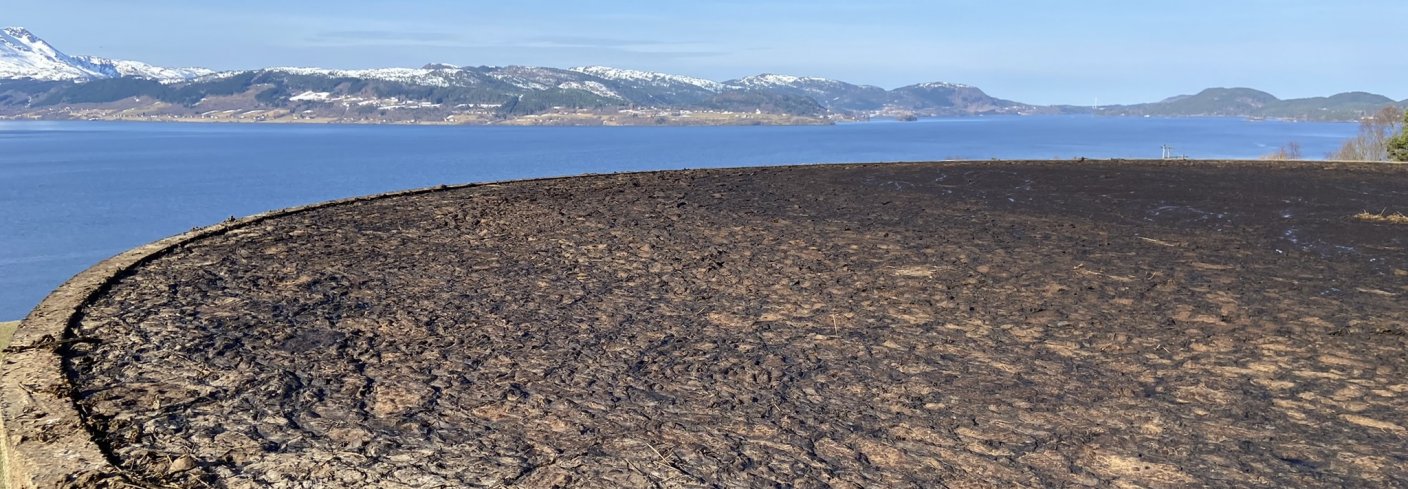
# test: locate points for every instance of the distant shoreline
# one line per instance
(539, 120)
(576, 120)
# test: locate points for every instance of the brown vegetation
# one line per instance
(1288, 151)
(7, 330)
(1375, 135)
(1383, 217)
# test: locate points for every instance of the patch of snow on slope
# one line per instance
(537, 78)
(311, 96)
(649, 77)
(772, 80)
(138, 69)
(594, 87)
(942, 85)
(525, 78)
(410, 76)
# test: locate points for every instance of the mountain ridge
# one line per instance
(1248, 102)
(25, 55)
(39, 81)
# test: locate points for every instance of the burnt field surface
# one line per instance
(898, 325)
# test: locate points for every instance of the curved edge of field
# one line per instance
(7, 330)
(46, 442)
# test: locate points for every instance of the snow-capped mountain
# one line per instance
(832, 94)
(34, 76)
(24, 55)
(136, 69)
(649, 78)
(430, 77)
(770, 80)
(501, 91)
(941, 85)
(537, 79)
(512, 78)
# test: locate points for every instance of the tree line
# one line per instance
(1382, 137)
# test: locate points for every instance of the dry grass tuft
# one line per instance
(7, 330)
(1382, 217)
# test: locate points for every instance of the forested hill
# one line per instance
(1247, 102)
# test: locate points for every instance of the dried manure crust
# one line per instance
(904, 325)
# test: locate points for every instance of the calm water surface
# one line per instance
(74, 193)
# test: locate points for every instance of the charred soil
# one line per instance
(898, 325)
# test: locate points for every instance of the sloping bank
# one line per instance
(45, 442)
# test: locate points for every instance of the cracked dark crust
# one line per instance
(855, 451)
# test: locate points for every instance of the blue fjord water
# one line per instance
(74, 193)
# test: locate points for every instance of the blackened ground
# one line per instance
(928, 325)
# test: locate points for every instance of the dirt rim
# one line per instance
(43, 439)
(46, 443)
(7, 330)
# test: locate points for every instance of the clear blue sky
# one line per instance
(1037, 51)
